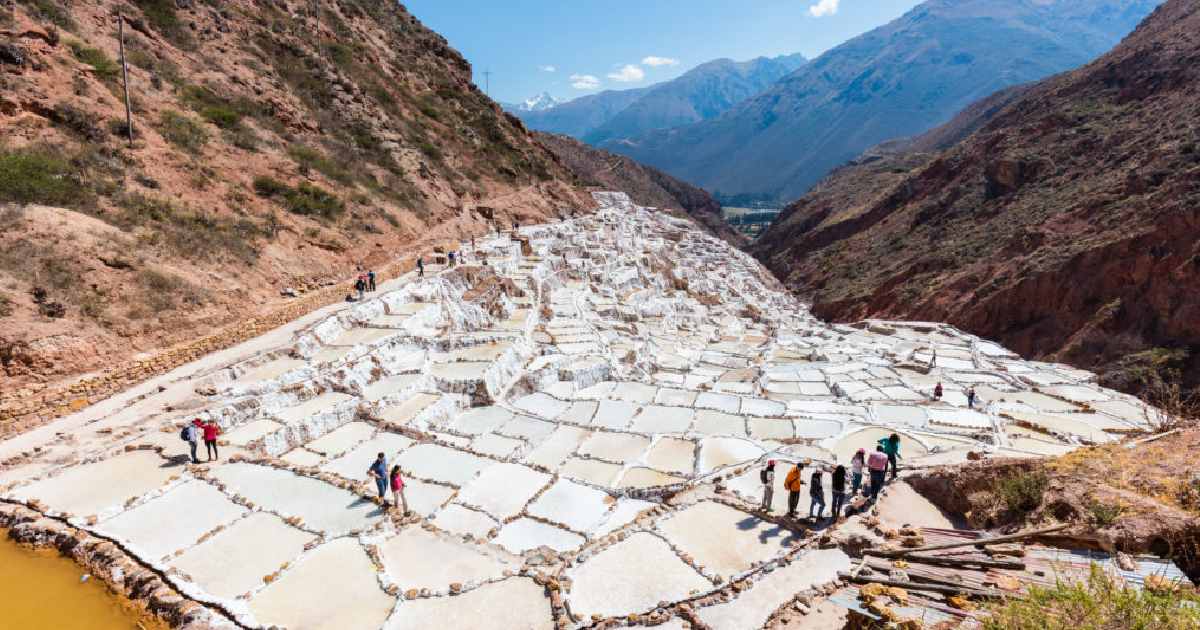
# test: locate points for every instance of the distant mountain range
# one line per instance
(539, 103)
(1061, 218)
(898, 80)
(702, 93)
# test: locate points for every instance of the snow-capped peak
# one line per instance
(538, 103)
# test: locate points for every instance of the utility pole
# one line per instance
(125, 77)
(487, 82)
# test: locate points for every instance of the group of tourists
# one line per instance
(385, 480)
(192, 433)
(876, 465)
(364, 283)
(971, 396)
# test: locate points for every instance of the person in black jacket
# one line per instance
(839, 491)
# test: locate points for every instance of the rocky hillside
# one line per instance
(646, 186)
(273, 147)
(702, 93)
(898, 80)
(1066, 226)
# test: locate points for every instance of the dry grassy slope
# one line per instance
(1066, 226)
(275, 148)
(646, 186)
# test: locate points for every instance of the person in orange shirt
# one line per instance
(792, 485)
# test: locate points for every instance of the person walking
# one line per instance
(816, 491)
(937, 391)
(211, 431)
(877, 465)
(371, 281)
(838, 485)
(792, 484)
(360, 285)
(420, 267)
(891, 447)
(450, 256)
(767, 477)
(191, 433)
(857, 463)
(379, 472)
(397, 483)
(971, 398)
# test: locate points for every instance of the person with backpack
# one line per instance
(379, 472)
(838, 484)
(371, 281)
(360, 285)
(191, 435)
(767, 477)
(857, 464)
(937, 391)
(211, 431)
(816, 491)
(450, 256)
(877, 464)
(891, 448)
(397, 483)
(792, 484)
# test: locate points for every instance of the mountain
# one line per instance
(578, 116)
(646, 186)
(539, 103)
(704, 92)
(898, 80)
(699, 94)
(274, 147)
(1066, 225)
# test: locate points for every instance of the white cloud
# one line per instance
(584, 82)
(628, 73)
(824, 8)
(659, 61)
(548, 68)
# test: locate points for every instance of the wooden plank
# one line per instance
(978, 542)
(957, 562)
(914, 586)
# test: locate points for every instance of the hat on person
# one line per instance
(197, 422)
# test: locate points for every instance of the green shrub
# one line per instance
(1104, 514)
(51, 11)
(310, 158)
(183, 131)
(269, 186)
(162, 18)
(310, 200)
(1022, 492)
(81, 123)
(222, 117)
(6, 306)
(1100, 604)
(39, 176)
(106, 69)
(186, 232)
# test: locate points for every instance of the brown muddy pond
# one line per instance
(41, 590)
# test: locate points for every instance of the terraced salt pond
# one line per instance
(587, 408)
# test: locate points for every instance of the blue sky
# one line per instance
(575, 47)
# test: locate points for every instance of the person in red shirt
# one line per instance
(211, 431)
(397, 483)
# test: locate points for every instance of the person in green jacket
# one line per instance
(891, 447)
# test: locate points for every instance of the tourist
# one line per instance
(379, 472)
(857, 463)
(360, 285)
(767, 477)
(816, 491)
(397, 483)
(211, 431)
(371, 280)
(971, 398)
(891, 446)
(838, 485)
(937, 391)
(792, 484)
(451, 257)
(191, 433)
(877, 465)
(420, 267)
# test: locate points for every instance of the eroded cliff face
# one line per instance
(276, 145)
(1066, 226)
